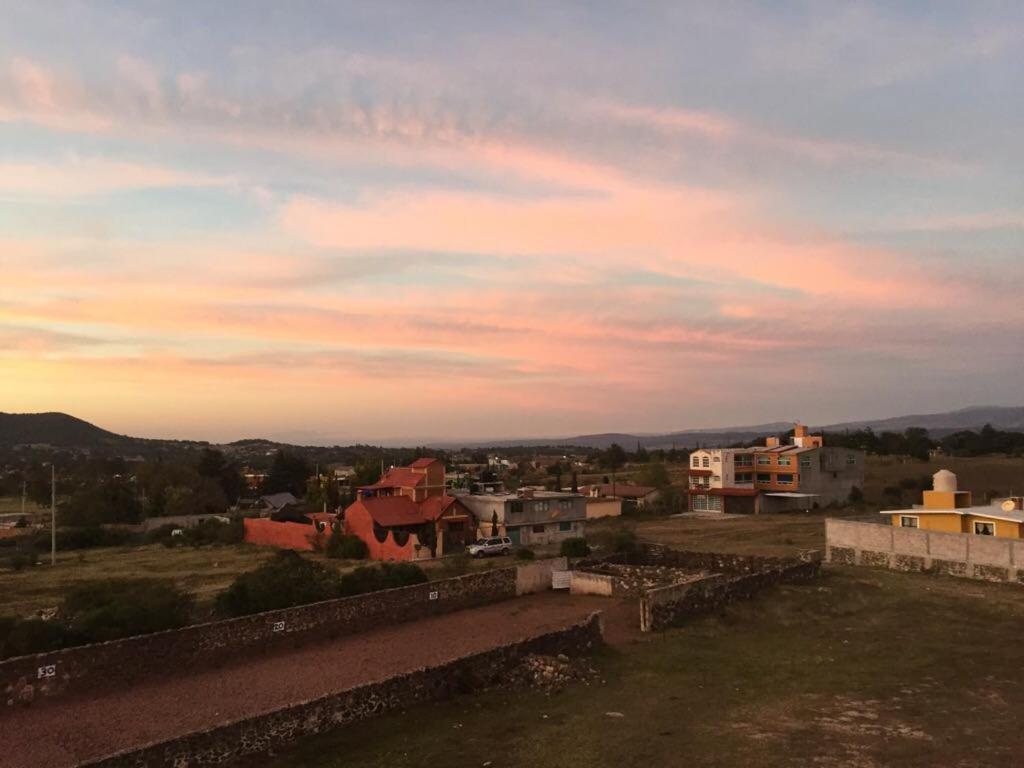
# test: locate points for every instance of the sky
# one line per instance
(330, 221)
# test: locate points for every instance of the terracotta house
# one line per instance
(407, 515)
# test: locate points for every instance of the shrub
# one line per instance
(285, 580)
(574, 547)
(856, 495)
(20, 637)
(88, 537)
(346, 547)
(202, 534)
(370, 578)
(112, 608)
(525, 554)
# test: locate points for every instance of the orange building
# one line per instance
(947, 509)
(407, 515)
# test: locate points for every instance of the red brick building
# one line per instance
(407, 515)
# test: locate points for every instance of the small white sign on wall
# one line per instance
(50, 670)
(278, 626)
(434, 595)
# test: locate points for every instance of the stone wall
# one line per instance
(912, 549)
(620, 580)
(121, 662)
(268, 733)
(704, 581)
(536, 576)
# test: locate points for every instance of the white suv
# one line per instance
(499, 545)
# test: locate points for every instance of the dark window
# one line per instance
(763, 478)
(563, 526)
(538, 529)
(785, 479)
(515, 507)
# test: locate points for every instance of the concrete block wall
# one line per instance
(120, 662)
(912, 549)
(266, 734)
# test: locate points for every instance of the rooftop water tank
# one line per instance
(944, 480)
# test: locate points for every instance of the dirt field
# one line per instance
(984, 475)
(863, 668)
(65, 732)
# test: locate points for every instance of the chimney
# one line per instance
(800, 431)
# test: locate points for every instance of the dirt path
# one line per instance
(69, 731)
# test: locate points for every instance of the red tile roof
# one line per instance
(434, 507)
(422, 463)
(389, 511)
(399, 477)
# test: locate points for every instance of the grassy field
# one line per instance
(983, 475)
(203, 571)
(861, 668)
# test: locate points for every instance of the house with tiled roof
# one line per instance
(407, 515)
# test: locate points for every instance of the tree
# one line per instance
(108, 501)
(213, 465)
(641, 453)
(288, 474)
(655, 475)
(613, 458)
(575, 483)
(494, 523)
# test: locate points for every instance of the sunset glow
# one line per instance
(360, 222)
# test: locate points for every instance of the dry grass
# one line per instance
(861, 668)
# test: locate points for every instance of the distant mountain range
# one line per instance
(63, 431)
(937, 424)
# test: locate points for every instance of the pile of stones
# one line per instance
(550, 672)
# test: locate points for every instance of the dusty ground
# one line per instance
(64, 732)
(863, 668)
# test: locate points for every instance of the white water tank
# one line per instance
(944, 480)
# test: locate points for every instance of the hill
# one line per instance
(56, 429)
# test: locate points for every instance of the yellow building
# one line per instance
(949, 510)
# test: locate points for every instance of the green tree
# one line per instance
(215, 466)
(655, 475)
(108, 501)
(614, 457)
(288, 474)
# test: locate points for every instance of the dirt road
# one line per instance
(66, 732)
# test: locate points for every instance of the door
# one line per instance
(513, 533)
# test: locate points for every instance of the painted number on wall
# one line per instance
(50, 670)
(279, 626)
(434, 595)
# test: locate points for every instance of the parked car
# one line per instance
(499, 545)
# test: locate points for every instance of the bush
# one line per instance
(202, 534)
(88, 537)
(856, 495)
(21, 637)
(574, 547)
(113, 608)
(285, 580)
(370, 578)
(525, 554)
(346, 547)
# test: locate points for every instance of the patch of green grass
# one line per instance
(860, 668)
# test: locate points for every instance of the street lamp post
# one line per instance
(53, 514)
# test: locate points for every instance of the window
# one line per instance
(717, 459)
(538, 529)
(706, 462)
(909, 521)
(785, 461)
(515, 507)
(565, 505)
(805, 463)
(717, 478)
(851, 459)
(763, 460)
(784, 479)
(564, 526)
(699, 503)
(696, 461)
(540, 506)
(764, 477)
(982, 528)
(745, 477)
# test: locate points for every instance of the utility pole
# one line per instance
(53, 514)
(24, 486)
